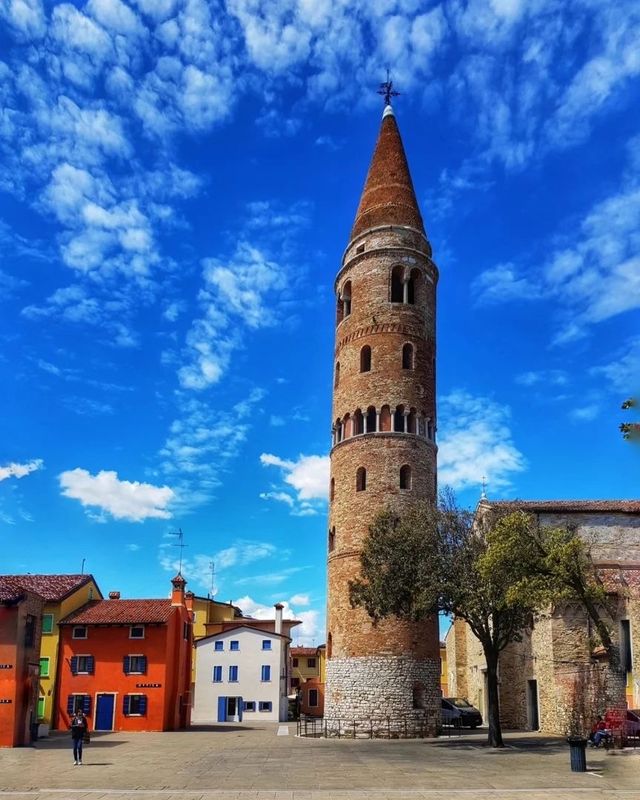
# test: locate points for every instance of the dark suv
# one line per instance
(460, 712)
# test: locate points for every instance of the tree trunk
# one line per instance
(493, 701)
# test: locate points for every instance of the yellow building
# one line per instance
(62, 594)
(308, 671)
(444, 679)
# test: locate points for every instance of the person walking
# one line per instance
(78, 732)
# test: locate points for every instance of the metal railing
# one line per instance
(404, 727)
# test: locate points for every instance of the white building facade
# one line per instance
(241, 674)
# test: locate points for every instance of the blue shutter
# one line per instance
(240, 708)
(126, 701)
(143, 665)
(70, 702)
(86, 704)
(74, 664)
(90, 664)
(126, 666)
(143, 703)
(222, 709)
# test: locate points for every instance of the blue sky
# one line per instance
(178, 183)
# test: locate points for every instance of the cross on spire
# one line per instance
(387, 91)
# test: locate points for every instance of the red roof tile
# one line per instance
(10, 589)
(570, 506)
(120, 612)
(296, 652)
(52, 587)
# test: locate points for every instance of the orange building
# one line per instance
(307, 678)
(20, 631)
(127, 663)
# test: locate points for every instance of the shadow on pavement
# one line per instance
(215, 729)
(62, 741)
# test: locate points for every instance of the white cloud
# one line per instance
(16, 470)
(592, 273)
(476, 441)
(309, 476)
(545, 377)
(310, 633)
(300, 600)
(622, 374)
(133, 548)
(130, 500)
(586, 413)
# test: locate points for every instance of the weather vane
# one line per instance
(387, 91)
(180, 544)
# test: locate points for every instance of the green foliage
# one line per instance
(494, 572)
(630, 430)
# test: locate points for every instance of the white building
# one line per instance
(242, 673)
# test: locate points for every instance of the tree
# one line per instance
(493, 571)
(630, 430)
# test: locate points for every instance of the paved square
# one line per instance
(229, 762)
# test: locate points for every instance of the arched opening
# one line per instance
(419, 695)
(336, 378)
(405, 477)
(339, 309)
(407, 356)
(332, 488)
(347, 427)
(346, 298)
(396, 284)
(332, 539)
(358, 423)
(329, 645)
(412, 421)
(385, 418)
(365, 359)
(398, 419)
(338, 431)
(361, 479)
(414, 289)
(430, 430)
(370, 426)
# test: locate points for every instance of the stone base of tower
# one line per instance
(396, 696)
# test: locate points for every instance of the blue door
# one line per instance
(104, 712)
(222, 709)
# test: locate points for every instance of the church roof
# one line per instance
(388, 197)
(570, 506)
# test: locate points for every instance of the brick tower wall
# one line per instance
(383, 669)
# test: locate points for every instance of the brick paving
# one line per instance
(254, 763)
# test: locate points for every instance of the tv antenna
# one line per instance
(212, 568)
(180, 543)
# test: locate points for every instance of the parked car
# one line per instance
(632, 723)
(458, 711)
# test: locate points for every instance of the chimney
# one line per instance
(177, 592)
(114, 595)
(278, 627)
(188, 600)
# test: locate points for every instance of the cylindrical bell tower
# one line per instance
(383, 439)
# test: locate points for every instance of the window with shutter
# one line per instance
(125, 704)
(70, 704)
(143, 703)
(86, 704)
(74, 665)
(126, 666)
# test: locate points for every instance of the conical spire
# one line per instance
(388, 197)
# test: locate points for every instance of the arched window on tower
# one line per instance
(398, 419)
(407, 356)
(385, 418)
(336, 379)
(339, 431)
(396, 284)
(332, 539)
(405, 477)
(370, 425)
(414, 289)
(365, 359)
(412, 421)
(332, 488)
(339, 309)
(361, 479)
(347, 427)
(329, 644)
(358, 423)
(346, 298)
